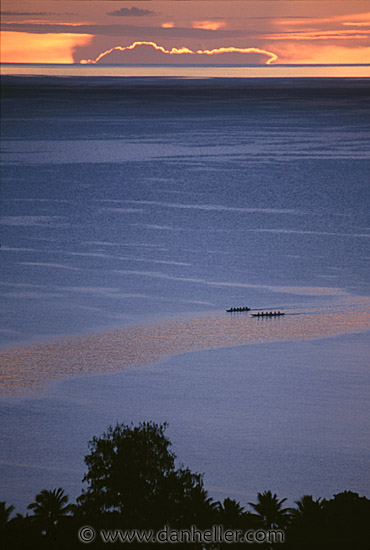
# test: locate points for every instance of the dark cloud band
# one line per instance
(120, 30)
(131, 12)
(28, 13)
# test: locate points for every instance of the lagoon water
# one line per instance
(134, 212)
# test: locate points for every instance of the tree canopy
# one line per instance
(131, 470)
(133, 483)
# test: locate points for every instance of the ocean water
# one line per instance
(134, 212)
(291, 417)
(124, 202)
(189, 71)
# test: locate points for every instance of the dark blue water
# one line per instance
(130, 201)
(287, 417)
(124, 202)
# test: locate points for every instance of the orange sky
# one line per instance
(186, 32)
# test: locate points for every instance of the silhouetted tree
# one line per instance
(49, 509)
(307, 508)
(269, 510)
(307, 529)
(185, 500)
(131, 471)
(133, 484)
(50, 506)
(5, 513)
(24, 533)
(230, 513)
(347, 517)
(232, 516)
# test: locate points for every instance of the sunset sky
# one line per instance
(186, 32)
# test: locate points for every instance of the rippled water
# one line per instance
(291, 417)
(125, 203)
(33, 366)
(133, 214)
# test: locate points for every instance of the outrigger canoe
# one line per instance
(237, 309)
(268, 314)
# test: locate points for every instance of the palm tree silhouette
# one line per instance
(231, 507)
(269, 510)
(307, 508)
(308, 524)
(230, 512)
(50, 506)
(5, 512)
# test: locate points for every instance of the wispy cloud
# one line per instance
(98, 29)
(319, 28)
(28, 13)
(317, 52)
(310, 35)
(349, 24)
(332, 39)
(210, 25)
(23, 47)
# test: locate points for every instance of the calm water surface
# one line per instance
(289, 417)
(138, 210)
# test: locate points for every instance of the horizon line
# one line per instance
(184, 65)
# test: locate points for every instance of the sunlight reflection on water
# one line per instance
(188, 71)
(30, 367)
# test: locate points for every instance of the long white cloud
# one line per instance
(272, 57)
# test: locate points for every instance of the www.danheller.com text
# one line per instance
(217, 534)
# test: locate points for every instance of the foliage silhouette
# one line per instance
(50, 506)
(133, 484)
(131, 471)
(307, 523)
(231, 513)
(49, 510)
(269, 510)
(341, 523)
(5, 513)
(347, 518)
(307, 508)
